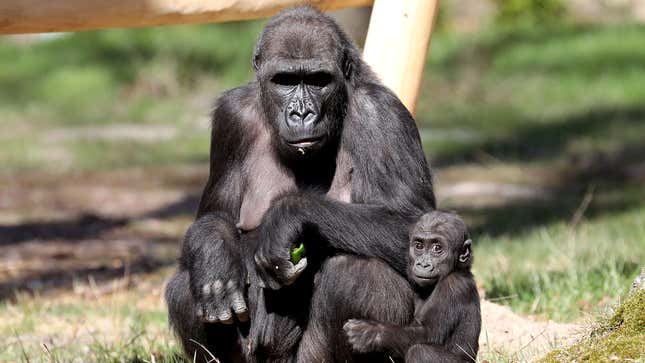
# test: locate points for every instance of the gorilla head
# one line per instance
(303, 73)
(439, 244)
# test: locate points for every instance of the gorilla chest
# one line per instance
(266, 180)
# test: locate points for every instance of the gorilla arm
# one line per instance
(391, 187)
(211, 252)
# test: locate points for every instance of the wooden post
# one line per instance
(40, 16)
(397, 44)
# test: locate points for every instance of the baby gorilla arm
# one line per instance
(370, 336)
(420, 342)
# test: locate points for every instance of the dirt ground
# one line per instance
(89, 235)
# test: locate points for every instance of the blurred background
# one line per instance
(532, 114)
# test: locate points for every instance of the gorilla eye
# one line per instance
(418, 245)
(318, 79)
(436, 248)
(286, 79)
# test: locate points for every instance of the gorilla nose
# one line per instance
(300, 117)
(425, 265)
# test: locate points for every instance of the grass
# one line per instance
(619, 337)
(569, 270)
(555, 108)
(126, 326)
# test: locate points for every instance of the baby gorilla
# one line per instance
(447, 319)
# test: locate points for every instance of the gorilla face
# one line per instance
(303, 86)
(439, 244)
(430, 259)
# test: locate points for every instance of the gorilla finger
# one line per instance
(209, 314)
(294, 271)
(217, 288)
(206, 312)
(271, 281)
(206, 291)
(261, 283)
(224, 315)
(212, 295)
(262, 279)
(222, 309)
(267, 279)
(350, 324)
(259, 272)
(261, 262)
(236, 299)
(239, 306)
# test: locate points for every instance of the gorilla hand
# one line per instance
(216, 275)
(365, 336)
(280, 232)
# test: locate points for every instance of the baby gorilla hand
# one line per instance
(364, 336)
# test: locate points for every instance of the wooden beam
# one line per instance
(397, 44)
(40, 16)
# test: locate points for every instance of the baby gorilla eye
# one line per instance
(418, 245)
(436, 248)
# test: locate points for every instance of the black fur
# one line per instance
(315, 150)
(447, 319)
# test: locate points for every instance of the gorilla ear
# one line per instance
(256, 54)
(256, 61)
(465, 257)
(348, 64)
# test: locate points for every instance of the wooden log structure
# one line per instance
(41, 16)
(396, 46)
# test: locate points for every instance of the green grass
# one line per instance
(135, 336)
(502, 85)
(126, 326)
(561, 272)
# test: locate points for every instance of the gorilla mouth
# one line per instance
(424, 280)
(427, 276)
(306, 142)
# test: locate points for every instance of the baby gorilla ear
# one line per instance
(348, 64)
(465, 258)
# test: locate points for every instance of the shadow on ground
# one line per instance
(544, 139)
(608, 170)
(56, 255)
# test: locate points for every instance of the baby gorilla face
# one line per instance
(429, 258)
(439, 244)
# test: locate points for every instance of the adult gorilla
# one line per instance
(315, 150)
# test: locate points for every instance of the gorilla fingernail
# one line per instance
(239, 309)
(206, 289)
(243, 316)
(225, 317)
